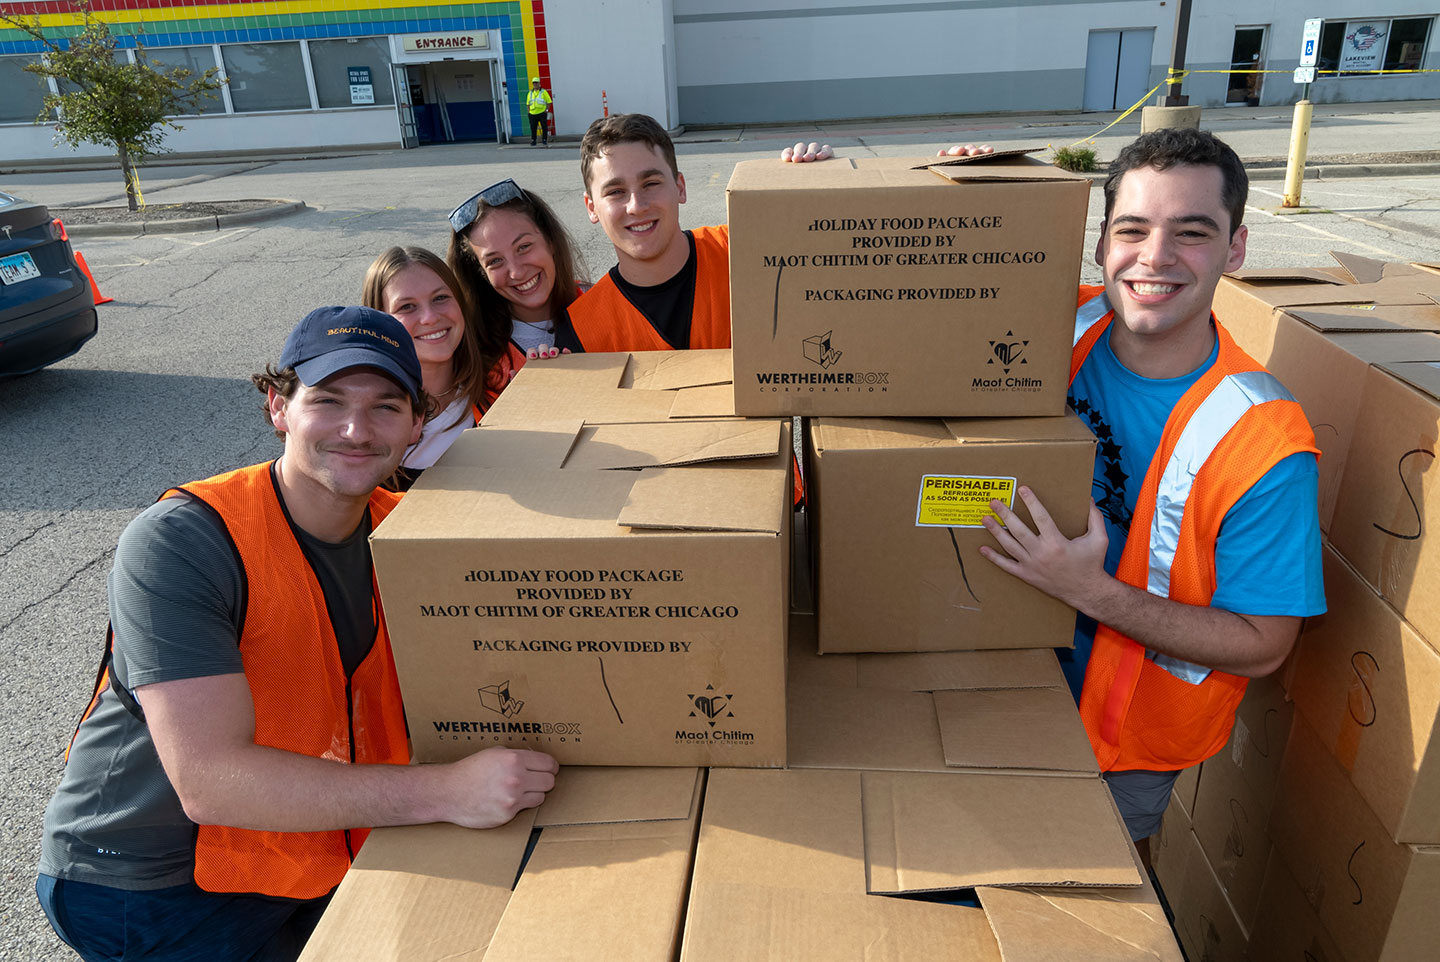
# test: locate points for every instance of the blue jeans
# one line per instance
(179, 924)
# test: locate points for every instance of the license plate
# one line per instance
(17, 268)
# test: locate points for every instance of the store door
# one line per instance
(404, 109)
(463, 93)
(1246, 59)
(1117, 68)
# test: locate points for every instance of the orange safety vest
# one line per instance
(605, 321)
(287, 636)
(1148, 711)
(501, 373)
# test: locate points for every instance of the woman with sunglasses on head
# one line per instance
(518, 266)
(419, 290)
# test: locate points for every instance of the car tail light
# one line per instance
(57, 230)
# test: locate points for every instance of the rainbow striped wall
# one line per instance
(173, 23)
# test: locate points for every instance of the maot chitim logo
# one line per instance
(497, 698)
(710, 705)
(819, 350)
(1008, 352)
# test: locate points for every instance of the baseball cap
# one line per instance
(334, 339)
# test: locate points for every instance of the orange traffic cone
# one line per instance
(94, 288)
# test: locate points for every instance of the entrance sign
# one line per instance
(426, 42)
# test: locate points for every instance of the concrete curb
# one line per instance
(281, 208)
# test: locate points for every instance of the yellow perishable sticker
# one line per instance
(958, 501)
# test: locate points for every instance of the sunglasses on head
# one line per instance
(493, 196)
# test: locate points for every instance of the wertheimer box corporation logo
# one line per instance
(818, 349)
(497, 698)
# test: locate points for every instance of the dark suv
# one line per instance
(46, 308)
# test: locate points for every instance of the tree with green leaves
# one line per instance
(106, 101)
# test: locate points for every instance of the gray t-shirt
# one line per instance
(177, 604)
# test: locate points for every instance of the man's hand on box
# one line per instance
(965, 150)
(1070, 570)
(492, 787)
(803, 153)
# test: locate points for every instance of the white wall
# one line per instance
(235, 132)
(611, 45)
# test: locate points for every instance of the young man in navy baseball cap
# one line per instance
(246, 730)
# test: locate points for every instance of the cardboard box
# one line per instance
(441, 893)
(790, 864)
(1370, 688)
(891, 287)
(979, 711)
(1205, 921)
(541, 592)
(1286, 927)
(1375, 896)
(1322, 356)
(1170, 848)
(1246, 301)
(1229, 824)
(1187, 783)
(621, 388)
(896, 529)
(1390, 488)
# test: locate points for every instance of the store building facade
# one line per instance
(309, 74)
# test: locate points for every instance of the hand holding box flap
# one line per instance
(422, 893)
(1027, 728)
(584, 795)
(927, 833)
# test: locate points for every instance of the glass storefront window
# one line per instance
(24, 92)
(1363, 48)
(266, 76)
(197, 60)
(333, 60)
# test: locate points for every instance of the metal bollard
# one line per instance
(1299, 144)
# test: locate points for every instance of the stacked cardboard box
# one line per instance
(1331, 849)
(941, 292)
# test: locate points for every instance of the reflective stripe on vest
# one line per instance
(1089, 314)
(1221, 410)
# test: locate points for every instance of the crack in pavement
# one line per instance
(31, 605)
(49, 524)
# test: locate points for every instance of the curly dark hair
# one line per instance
(1172, 146)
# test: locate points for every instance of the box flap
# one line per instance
(611, 446)
(422, 893)
(1009, 165)
(456, 504)
(926, 833)
(1067, 925)
(1289, 275)
(622, 888)
(780, 875)
(672, 370)
(1421, 375)
(538, 445)
(745, 496)
(1362, 270)
(1023, 728)
(852, 728)
(878, 434)
(1388, 318)
(711, 401)
(587, 794)
(1069, 427)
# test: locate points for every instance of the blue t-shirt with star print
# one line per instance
(1267, 558)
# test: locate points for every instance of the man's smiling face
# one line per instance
(636, 197)
(1164, 247)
